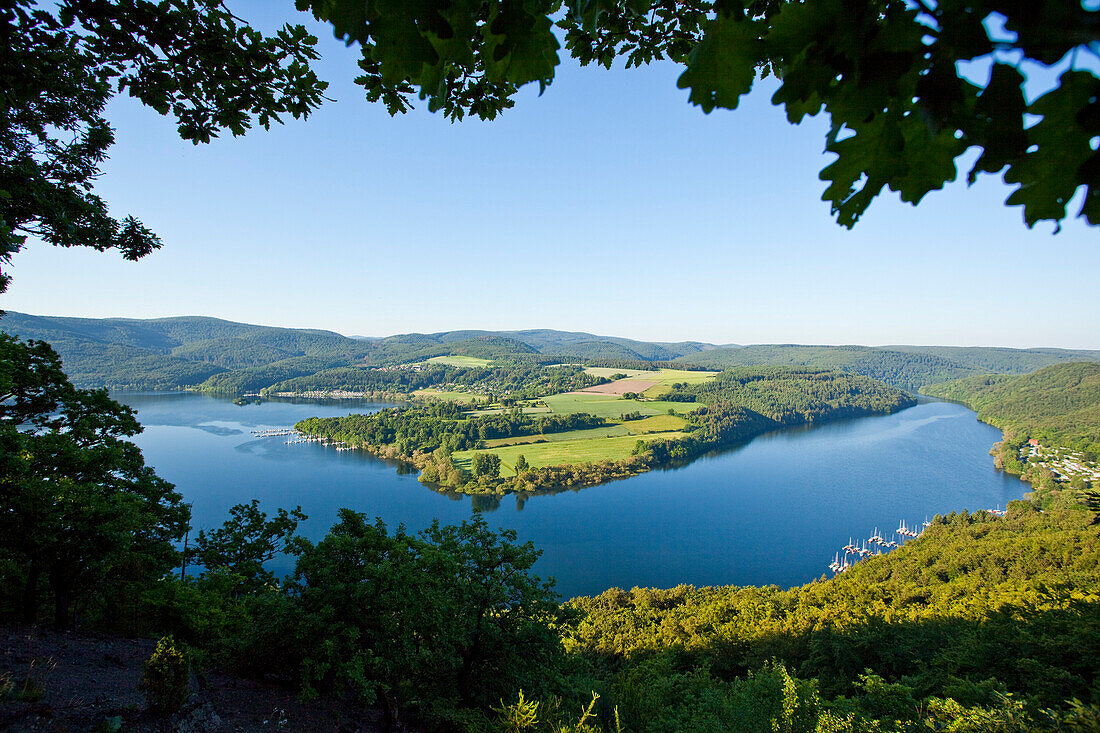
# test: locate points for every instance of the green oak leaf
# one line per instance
(723, 66)
(872, 155)
(399, 47)
(1059, 149)
(929, 159)
(1000, 109)
(520, 45)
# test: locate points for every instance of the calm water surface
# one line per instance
(772, 511)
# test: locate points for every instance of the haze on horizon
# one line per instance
(608, 206)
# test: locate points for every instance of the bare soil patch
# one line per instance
(78, 682)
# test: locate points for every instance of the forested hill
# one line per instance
(167, 353)
(908, 367)
(228, 357)
(1059, 404)
(223, 356)
(999, 360)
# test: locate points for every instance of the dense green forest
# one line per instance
(517, 381)
(736, 406)
(908, 367)
(232, 358)
(983, 624)
(1001, 360)
(739, 404)
(1058, 404)
(908, 371)
(436, 425)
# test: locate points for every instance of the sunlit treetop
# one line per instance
(887, 73)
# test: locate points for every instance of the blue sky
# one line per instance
(608, 205)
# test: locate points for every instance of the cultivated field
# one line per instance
(610, 406)
(564, 452)
(619, 387)
(611, 442)
(656, 424)
(660, 380)
(460, 361)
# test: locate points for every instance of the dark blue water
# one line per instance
(772, 511)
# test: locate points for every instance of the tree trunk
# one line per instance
(389, 708)
(63, 600)
(29, 602)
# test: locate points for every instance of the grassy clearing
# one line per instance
(608, 431)
(564, 452)
(656, 424)
(438, 394)
(611, 406)
(460, 361)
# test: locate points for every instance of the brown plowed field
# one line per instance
(621, 386)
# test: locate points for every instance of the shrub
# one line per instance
(165, 678)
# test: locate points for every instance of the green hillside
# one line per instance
(1059, 404)
(169, 353)
(905, 370)
(998, 614)
(1001, 360)
(908, 367)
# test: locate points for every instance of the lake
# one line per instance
(772, 511)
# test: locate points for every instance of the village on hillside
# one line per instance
(1066, 465)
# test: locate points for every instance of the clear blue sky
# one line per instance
(608, 205)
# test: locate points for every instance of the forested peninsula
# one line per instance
(497, 450)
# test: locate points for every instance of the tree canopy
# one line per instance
(60, 66)
(897, 79)
(80, 508)
(891, 74)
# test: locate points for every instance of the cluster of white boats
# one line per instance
(876, 544)
(853, 553)
(296, 437)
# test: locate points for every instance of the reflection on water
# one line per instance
(773, 510)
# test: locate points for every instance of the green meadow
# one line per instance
(438, 394)
(610, 442)
(656, 424)
(608, 431)
(563, 452)
(459, 361)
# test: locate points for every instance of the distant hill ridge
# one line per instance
(215, 354)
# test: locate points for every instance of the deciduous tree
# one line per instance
(61, 63)
(80, 509)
